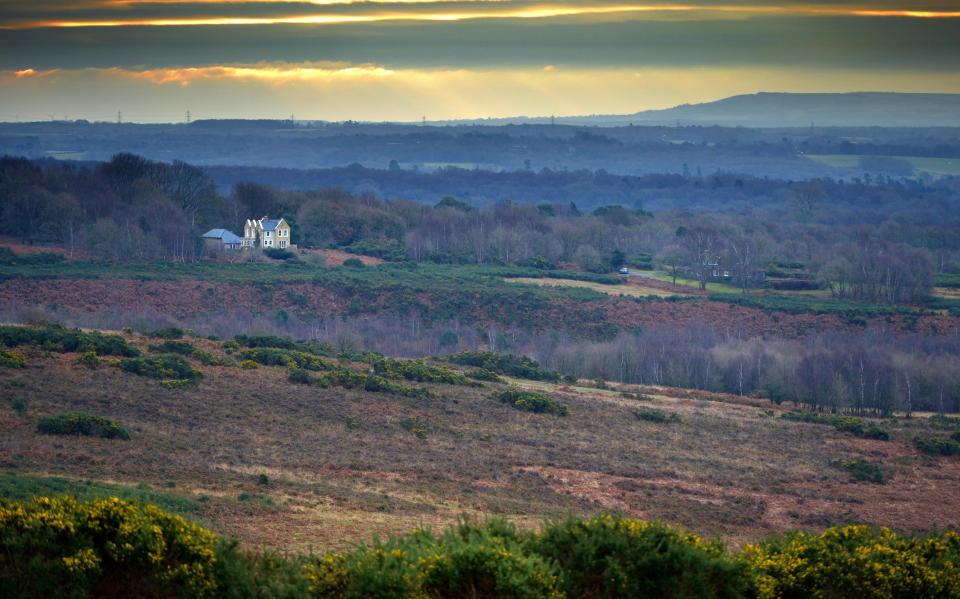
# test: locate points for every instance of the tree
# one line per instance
(671, 259)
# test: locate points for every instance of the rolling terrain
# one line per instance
(247, 452)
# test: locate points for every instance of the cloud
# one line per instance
(120, 13)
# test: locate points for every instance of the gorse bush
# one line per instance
(847, 424)
(856, 561)
(59, 339)
(172, 347)
(79, 423)
(12, 359)
(530, 401)
(271, 356)
(339, 376)
(652, 415)
(183, 348)
(104, 548)
(89, 359)
(612, 556)
(936, 445)
(161, 367)
(860, 469)
(278, 254)
(420, 371)
(165, 333)
(113, 548)
(469, 560)
(510, 365)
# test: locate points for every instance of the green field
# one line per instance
(934, 166)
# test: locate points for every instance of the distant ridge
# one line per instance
(767, 109)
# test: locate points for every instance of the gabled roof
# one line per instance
(223, 235)
(270, 225)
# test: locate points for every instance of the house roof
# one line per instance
(223, 235)
(270, 225)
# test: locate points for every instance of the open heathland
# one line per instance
(251, 453)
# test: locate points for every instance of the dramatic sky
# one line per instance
(403, 59)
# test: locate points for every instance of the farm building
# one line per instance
(220, 240)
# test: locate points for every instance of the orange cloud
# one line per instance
(375, 10)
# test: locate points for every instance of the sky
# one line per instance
(403, 60)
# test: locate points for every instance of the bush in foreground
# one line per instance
(466, 561)
(104, 548)
(612, 556)
(113, 548)
(79, 423)
(856, 561)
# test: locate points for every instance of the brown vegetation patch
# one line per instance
(333, 257)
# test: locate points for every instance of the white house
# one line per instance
(266, 233)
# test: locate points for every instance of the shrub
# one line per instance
(104, 548)
(466, 561)
(177, 383)
(861, 470)
(249, 365)
(79, 423)
(420, 428)
(339, 376)
(19, 406)
(89, 359)
(60, 339)
(245, 575)
(530, 401)
(847, 424)
(353, 263)
(936, 445)
(508, 364)
(165, 333)
(172, 347)
(652, 415)
(611, 556)
(270, 356)
(420, 371)
(298, 375)
(278, 254)
(482, 374)
(856, 561)
(12, 359)
(955, 436)
(160, 367)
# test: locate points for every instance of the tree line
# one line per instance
(878, 242)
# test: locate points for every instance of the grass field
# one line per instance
(626, 289)
(248, 453)
(934, 166)
(952, 293)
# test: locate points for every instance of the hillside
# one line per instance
(285, 464)
(773, 109)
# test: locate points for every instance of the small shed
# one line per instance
(220, 240)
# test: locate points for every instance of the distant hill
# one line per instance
(765, 109)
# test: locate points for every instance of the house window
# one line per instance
(268, 233)
(283, 244)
